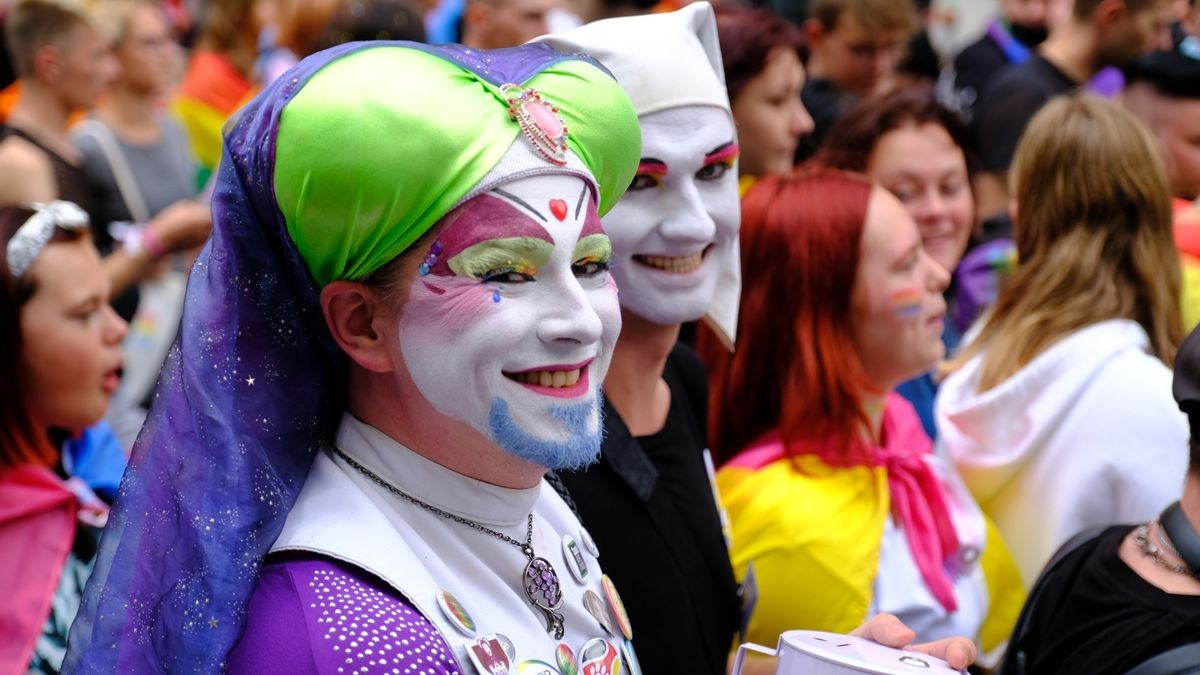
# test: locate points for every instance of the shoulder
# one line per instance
(306, 616)
(29, 175)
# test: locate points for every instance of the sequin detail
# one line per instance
(370, 632)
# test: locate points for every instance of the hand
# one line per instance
(183, 225)
(888, 631)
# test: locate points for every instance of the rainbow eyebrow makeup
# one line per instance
(906, 302)
(652, 167)
(723, 154)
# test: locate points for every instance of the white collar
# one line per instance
(430, 482)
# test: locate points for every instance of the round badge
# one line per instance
(535, 667)
(455, 613)
(595, 607)
(599, 657)
(630, 658)
(588, 542)
(488, 656)
(617, 607)
(509, 649)
(566, 660)
(574, 559)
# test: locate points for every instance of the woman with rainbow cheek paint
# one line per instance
(520, 276)
(835, 498)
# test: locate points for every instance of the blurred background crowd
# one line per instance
(1047, 150)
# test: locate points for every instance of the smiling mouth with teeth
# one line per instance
(556, 379)
(561, 381)
(674, 264)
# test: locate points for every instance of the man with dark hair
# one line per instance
(1163, 90)
(855, 47)
(1128, 594)
(1098, 33)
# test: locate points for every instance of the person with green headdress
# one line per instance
(401, 323)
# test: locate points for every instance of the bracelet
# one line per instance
(153, 244)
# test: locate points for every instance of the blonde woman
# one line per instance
(1058, 412)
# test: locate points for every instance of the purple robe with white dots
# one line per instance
(315, 615)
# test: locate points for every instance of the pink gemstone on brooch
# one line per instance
(545, 119)
(539, 122)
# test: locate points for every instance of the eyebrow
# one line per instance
(520, 202)
(653, 166)
(722, 153)
(579, 204)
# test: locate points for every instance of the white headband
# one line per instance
(27, 244)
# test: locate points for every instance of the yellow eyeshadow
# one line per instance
(521, 255)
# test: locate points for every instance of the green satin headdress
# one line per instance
(381, 143)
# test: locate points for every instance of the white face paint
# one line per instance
(675, 229)
(512, 326)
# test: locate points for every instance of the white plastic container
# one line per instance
(810, 652)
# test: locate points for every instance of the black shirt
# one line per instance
(649, 506)
(974, 68)
(1106, 618)
(1008, 103)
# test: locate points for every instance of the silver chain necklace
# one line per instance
(1141, 537)
(539, 580)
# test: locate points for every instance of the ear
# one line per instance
(1109, 13)
(48, 62)
(815, 31)
(356, 316)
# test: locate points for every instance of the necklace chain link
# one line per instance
(526, 546)
(1141, 537)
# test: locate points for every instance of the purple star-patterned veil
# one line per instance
(328, 174)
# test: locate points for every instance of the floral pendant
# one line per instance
(543, 590)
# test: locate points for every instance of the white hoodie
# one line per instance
(1086, 434)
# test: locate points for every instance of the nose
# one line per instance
(937, 278)
(572, 319)
(114, 327)
(932, 206)
(689, 222)
(802, 122)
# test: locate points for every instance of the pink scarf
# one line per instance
(918, 497)
(37, 528)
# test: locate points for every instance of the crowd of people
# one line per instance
(594, 336)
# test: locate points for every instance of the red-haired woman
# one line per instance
(835, 500)
(59, 358)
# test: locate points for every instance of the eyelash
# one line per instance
(597, 267)
(712, 172)
(505, 275)
(512, 275)
(644, 181)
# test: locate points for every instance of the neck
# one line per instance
(410, 420)
(41, 112)
(129, 112)
(1144, 566)
(1071, 47)
(816, 66)
(634, 383)
(873, 405)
